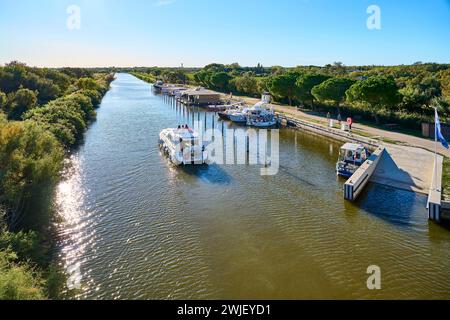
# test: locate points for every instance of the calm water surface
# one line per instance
(135, 227)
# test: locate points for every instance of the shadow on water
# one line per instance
(393, 205)
(210, 173)
(288, 172)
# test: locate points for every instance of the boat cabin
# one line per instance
(158, 85)
(183, 146)
(183, 137)
(353, 153)
(200, 96)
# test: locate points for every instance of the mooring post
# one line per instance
(247, 142)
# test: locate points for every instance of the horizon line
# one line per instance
(225, 64)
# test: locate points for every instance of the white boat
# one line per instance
(351, 157)
(182, 146)
(158, 86)
(225, 114)
(263, 123)
(225, 110)
(239, 116)
(261, 115)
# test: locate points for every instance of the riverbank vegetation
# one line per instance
(43, 115)
(404, 95)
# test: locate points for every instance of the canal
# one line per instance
(135, 227)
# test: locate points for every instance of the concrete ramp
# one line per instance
(405, 168)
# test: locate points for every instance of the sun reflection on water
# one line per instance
(75, 238)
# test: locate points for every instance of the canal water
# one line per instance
(135, 227)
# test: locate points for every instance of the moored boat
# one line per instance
(239, 116)
(224, 109)
(231, 109)
(158, 86)
(261, 115)
(351, 157)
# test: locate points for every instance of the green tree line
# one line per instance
(405, 94)
(43, 114)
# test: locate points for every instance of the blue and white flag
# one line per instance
(438, 132)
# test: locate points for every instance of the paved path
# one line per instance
(405, 168)
(401, 138)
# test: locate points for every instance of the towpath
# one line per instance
(376, 133)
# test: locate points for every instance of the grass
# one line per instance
(446, 179)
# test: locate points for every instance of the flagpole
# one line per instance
(435, 149)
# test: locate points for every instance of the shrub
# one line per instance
(18, 281)
(31, 159)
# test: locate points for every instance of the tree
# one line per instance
(220, 80)
(60, 79)
(216, 67)
(246, 84)
(12, 76)
(77, 72)
(332, 90)
(202, 78)
(84, 103)
(87, 84)
(284, 86)
(3, 101)
(31, 161)
(95, 96)
(442, 105)
(63, 117)
(445, 83)
(414, 99)
(22, 101)
(338, 68)
(177, 76)
(276, 70)
(377, 92)
(263, 84)
(306, 83)
(46, 90)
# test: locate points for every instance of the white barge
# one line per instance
(182, 146)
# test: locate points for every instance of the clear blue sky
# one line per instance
(198, 32)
